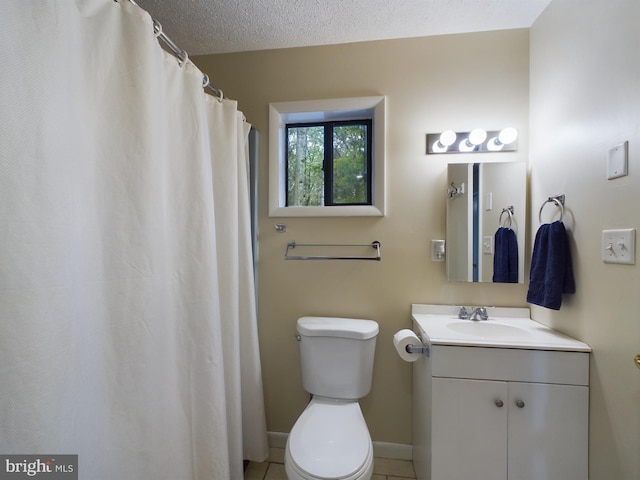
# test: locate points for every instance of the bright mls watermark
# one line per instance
(49, 467)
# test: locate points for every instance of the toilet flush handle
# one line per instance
(298, 337)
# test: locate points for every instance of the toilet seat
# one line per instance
(330, 440)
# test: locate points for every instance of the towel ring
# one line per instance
(509, 212)
(558, 200)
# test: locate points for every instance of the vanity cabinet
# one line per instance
(508, 430)
(501, 414)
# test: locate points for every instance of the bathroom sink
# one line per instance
(506, 328)
(486, 329)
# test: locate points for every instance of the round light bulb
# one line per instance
(448, 137)
(477, 136)
(508, 135)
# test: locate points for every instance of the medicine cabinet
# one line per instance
(481, 197)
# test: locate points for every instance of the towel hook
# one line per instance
(558, 200)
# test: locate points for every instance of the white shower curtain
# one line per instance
(128, 331)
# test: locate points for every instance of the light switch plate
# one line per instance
(619, 246)
(618, 161)
(488, 201)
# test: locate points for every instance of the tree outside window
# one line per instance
(329, 163)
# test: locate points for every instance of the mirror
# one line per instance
(486, 207)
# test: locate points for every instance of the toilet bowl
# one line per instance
(330, 440)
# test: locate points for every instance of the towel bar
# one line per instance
(291, 245)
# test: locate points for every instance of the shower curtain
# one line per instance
(128, 331)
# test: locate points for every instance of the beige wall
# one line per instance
(458, 82)
(585, 72)
(585, 98)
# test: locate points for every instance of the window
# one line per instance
(328, 163)
(326, 157)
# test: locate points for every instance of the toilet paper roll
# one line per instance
(405, 337)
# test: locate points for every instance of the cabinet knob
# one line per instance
(499, 403)
(519, 404)
(636, 359)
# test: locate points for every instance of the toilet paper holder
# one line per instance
(421, 349)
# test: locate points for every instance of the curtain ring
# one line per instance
(157, 28)
(207, 83)
(182, 61)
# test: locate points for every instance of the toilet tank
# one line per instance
(337, 356)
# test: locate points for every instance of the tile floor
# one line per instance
(273, 468)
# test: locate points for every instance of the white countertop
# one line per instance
(505, 328)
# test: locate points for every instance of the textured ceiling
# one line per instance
(220, 26)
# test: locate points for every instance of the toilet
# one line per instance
(330, 440)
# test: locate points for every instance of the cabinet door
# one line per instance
(468, 430)
(548, 432)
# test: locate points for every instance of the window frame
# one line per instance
(328, 163)
(356, 108)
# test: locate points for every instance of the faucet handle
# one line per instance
(483, 313)
(463, 313)
(475, 313)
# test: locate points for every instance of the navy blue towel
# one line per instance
(505, 258)
(551, 268)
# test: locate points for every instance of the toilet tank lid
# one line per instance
(337, 327)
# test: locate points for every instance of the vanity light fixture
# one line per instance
(475, 141)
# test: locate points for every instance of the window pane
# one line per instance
(350, 174)
(305, 155)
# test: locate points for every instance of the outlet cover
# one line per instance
(487, 245)
(438, 251)
(619, 246)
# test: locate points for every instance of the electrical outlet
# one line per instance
(487, 245)
(437, 250)
(619, 246)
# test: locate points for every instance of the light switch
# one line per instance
(619, 246)
(618, 161)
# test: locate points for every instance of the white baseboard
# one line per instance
(397, 451)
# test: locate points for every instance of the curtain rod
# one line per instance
(180, 53)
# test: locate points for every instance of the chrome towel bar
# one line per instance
(291, 245)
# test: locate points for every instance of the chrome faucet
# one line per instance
(475, 314)
(479, 313)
